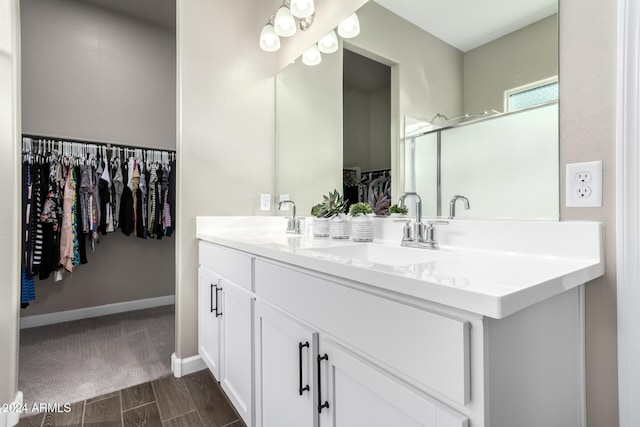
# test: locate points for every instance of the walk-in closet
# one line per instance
(98, 184)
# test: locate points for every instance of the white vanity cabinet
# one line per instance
(225, 322)
(359, 394)
(209, 319)
(286, 375)
(352, 388)
(294, 345)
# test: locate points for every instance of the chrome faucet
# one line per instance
(421, 235)
(452, 205)
(293, 222)
(418, 227)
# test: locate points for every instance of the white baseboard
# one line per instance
(101, 310)
(186, 366)
(10, 419)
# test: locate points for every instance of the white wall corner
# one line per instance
(10, 417)
(186, 366)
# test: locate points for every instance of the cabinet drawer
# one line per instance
(428, 349)
(228, 263)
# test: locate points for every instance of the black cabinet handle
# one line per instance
(218, 313)
(320, 404)
(300, 388)
(211, 300)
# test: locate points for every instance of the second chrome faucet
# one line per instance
(420, 235)
(452, 205)
(293, 222)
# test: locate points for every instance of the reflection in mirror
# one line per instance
(366, 132)
(502, 170)
(432, 73)
(309, 131)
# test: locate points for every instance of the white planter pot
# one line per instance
(340, 227)
(321, 227)
(362, 228)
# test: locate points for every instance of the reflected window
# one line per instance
(537, 93)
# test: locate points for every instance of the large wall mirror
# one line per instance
(446, 62)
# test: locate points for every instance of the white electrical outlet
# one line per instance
(284, 197)
(265, 202)
(584, 184)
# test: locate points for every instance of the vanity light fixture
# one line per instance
(292, 14)
(284, 23)
(269, 40)
(301, 13)
(302, 8)
(312, 56)
(329, 43)
(350, 27)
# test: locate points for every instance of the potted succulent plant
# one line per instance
(334, 207)
(320, 221)
(362, 223)
(395, 210)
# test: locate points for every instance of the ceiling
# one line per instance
(161, 12)
(467, 24)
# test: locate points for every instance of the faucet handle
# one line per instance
(407, 232)
(432, 223)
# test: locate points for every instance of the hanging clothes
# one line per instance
(68, 218)
(116, 189)
(80, 214)
(27, 282)
(72, 191)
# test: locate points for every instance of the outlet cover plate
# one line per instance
(584, 185)
(265, 202)
(284, 197)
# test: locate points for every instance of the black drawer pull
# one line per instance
(211, 300)
(218, 312)
(320, 404)
(300, 388)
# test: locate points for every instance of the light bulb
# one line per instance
(284, 23)
(269, 40)
(350, 27)
(312, 56)
(329, 43)
(302, 8)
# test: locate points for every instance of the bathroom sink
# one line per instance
(383, 254)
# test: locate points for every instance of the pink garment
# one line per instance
(66, 237)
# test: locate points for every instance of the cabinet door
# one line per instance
(286, 392)
(356, 393)
(236, 362)
(208, 319)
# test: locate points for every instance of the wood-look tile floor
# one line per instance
(195, 400)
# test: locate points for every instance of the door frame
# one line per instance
(628, 210)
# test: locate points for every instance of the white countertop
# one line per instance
(492, 268)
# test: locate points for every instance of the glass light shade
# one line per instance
(350, 27)
(302, 8)
(284, 23)
(269, 40)
(312, 56)
(329, 43)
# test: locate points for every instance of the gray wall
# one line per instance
(91, 73)
(225, 133)
(367, 132)
(519, 58)
(588, 31)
